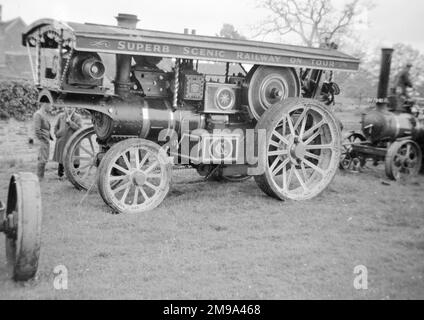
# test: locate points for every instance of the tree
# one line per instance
(230, 32)
(312, 21)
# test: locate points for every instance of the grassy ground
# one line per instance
(229, 241)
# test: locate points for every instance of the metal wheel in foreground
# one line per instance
(80, 158)
(403, 160)
(134, 176)
(23, 230)
(303, 147)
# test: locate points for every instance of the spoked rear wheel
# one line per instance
(403, 160)
(80, 158)
(303, 147)
(134, 176)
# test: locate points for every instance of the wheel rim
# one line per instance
(137, 179)
(82, 160)
(406, 160)
(303, 151)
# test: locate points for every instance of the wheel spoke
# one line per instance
(305, 174)
(125, 195)
(312, 130)
(274, 164)
(127, 162)
(151, 167)
(91, 144)
(289, 180)
(117, 178)
(118, 167)
(313, 137)
(281, 166)
(278, 153)
(280, 137)
(137, 159)
(144, 194)
(81, 158)
(151, 186)
(320, 147)
(144, 160)
(311, 155)
(301, 118)
(302, 183)
(154, 176)
(87, 173)
(135, 200)
(87, 151)
(122, 187)
(292, 130)
(84, 167)
(314, 167)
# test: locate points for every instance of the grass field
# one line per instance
(212, 240)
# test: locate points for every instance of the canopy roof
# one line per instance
(118, 40)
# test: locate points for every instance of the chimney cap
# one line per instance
(127, 16)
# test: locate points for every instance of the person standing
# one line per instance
(403, 80)
(42, 133)
(66, 125)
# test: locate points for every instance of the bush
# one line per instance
(18, 99)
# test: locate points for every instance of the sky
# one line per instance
(391, 21)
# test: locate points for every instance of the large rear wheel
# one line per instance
(303, 147)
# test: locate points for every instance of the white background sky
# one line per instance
(390, 21)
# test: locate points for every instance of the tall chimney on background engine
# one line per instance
(123, 62)
(383, 83)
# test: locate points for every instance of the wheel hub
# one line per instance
(139, 178)
(297, 149)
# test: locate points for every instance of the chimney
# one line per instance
(193, 32)
(185, 30)
(383, 83)
(123, 62)
(127, 20)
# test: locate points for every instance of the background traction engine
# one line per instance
(393, 132)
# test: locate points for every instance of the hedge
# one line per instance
(18, 99)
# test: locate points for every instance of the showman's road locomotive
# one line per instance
(257, 118)
(393, 132)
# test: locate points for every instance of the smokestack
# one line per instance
(193, 32)
(127, 20)
(185, 30)
(383, 84)
(123, 62)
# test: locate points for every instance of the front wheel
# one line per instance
(80, 158)
(303, 147)
(134, 176)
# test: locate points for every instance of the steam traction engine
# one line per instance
(393, 132)
(161, 109)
